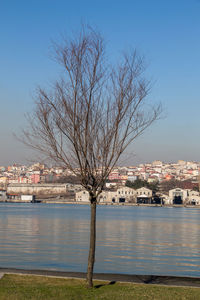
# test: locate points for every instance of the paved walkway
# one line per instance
(145, 279)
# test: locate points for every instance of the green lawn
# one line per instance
(18, 287)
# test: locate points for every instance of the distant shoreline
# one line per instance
(58, 201)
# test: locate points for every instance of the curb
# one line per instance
(139, 279)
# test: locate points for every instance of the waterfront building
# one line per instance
(178, 196)
(126, 194)
(2, 195)
(37, 189)
(144, 195)
(120, 195)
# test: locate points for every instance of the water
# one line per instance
(130, 240)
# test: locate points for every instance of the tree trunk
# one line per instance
(91, 256)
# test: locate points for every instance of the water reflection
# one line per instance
(132, 240)
(152, 241)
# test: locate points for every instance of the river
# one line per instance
(130, 240)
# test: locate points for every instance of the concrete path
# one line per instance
(1, 275)
(144, 279)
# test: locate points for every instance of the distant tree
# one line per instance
(188, 184)
(138, 183)
(167, 185)
(154, 186)
(129, 183)
(91, 115)
(69, 179)
(196, 188)
(113, 180)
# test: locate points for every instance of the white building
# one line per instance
(126, 194)
(36, 189)
(178, 196)
(82, 196)
(104, 197)
(144, 195)
(164, 199)
(193, 198)
(121, 195)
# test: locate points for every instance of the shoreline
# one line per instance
(139, 279)
(55, 201)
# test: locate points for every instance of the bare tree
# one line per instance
(91, 115)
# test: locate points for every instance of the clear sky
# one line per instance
(167, 33)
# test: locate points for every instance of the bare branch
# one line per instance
(91, 115)
(93, 112)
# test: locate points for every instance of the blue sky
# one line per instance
(167, 33)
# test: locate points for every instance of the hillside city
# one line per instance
(149, 183)
(155, 171)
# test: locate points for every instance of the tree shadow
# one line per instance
(100, 285)
(153, 279)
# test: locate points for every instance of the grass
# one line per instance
(20, 287)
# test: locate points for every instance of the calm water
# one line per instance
(131, 240)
